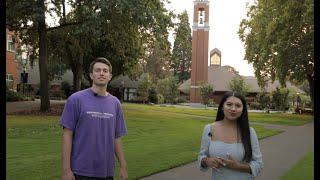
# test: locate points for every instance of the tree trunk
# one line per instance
(44, 90)
(77, 74)
(311, 86)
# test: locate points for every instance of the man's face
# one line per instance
(100, 75)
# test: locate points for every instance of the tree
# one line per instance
(237, 84)
(280, 99)
(206, 91)
(263, 99)
(124, 31)
(182, 49)
(153, 95)
(136, 71)
(279, 41)
(56, 67)
(158, 61)
(305, 87)
(168, 87)
(144, 84)
(117, 30)
(28, 19)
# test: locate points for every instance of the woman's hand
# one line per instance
(230, 162)
(214, 162)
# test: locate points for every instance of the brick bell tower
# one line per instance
(200, 39)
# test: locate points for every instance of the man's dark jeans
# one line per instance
(79, 177)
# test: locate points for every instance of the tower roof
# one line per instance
(215, 50)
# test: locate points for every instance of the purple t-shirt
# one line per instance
(95, 121)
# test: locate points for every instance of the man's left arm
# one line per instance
(120, 155)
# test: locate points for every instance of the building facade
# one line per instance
(12, 64)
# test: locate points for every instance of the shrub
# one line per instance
(255, 105)
(58, 95)
(66, 88)
(181, 99)
(14, 96)
(238, 84)
(153, 95)
(168, 87)
(160, 99)
(144, 84)
(206, 91)
(280, 99)
(263, 99)
(211, 103)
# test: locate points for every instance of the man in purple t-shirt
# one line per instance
(93, 123)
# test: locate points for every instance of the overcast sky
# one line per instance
(224, 19)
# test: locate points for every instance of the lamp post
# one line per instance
(22, 55)
(121, 91)
(298, 103)
(298, 100)
(24, 79)
(24, 75)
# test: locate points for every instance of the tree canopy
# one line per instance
(279, 40)
(239, 85)
(119, 30)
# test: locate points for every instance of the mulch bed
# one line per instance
(55, 110)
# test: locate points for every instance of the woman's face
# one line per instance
(232, 108)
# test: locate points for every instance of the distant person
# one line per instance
(229, 146)
(93, 123)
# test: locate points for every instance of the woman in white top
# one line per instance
(229, 146)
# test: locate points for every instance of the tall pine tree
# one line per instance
(182, 52)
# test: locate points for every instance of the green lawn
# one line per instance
(304, 169)
(280, 118)
(200, 113)
(157, 140)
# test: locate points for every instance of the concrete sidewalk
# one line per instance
(279, 152)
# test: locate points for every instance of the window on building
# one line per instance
(10, 43)
(215, 59)
(9, 81)
(9, 77)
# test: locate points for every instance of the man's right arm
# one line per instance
(67, 174)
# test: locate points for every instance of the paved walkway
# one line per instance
(279, 152)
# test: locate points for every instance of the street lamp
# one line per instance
(121, 89)
(298, 100)
(24, 78)
(298, 103)
(24, 75)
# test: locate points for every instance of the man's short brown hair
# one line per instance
(101, 60)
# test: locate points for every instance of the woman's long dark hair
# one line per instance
(242, 123)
